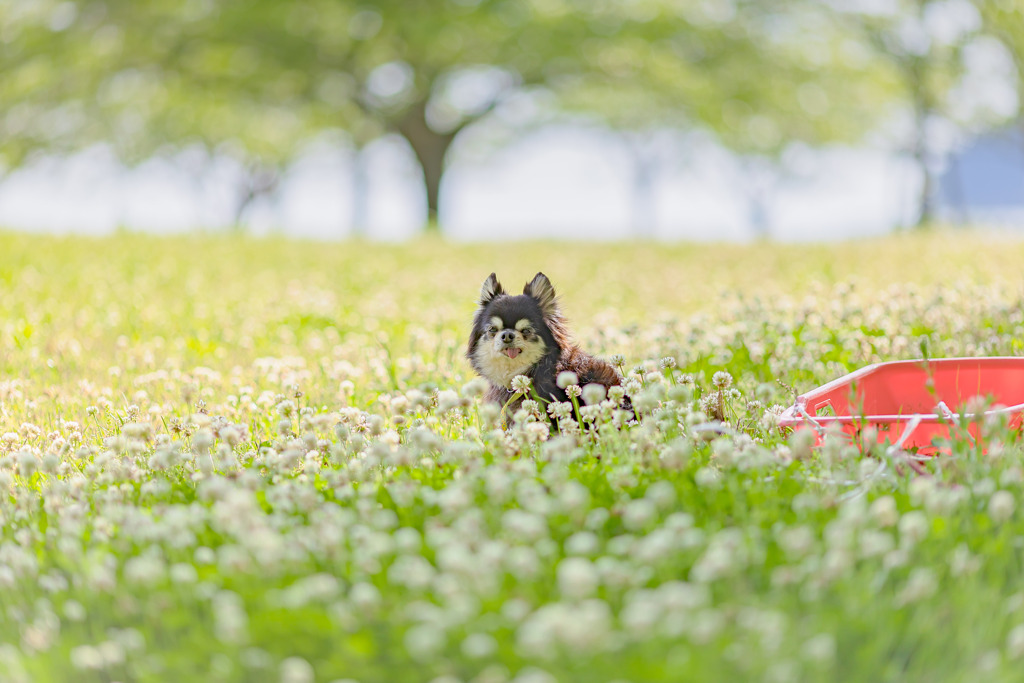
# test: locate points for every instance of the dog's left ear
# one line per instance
(540, 289)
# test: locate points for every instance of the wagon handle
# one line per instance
(807, 416)
(951, 416)
(911, 426)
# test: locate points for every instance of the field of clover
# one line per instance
(227, 459)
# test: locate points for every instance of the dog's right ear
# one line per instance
(490, 289)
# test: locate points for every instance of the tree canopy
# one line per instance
(255, 78)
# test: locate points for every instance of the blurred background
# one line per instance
(509, 119)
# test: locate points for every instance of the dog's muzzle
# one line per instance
(508, 337)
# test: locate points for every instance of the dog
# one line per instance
(525, 334)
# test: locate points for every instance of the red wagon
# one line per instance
(912, 403)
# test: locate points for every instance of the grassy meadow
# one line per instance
(230, 459)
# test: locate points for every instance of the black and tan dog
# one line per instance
(526, 334)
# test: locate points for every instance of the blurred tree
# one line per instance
(423, 70)
(258, 78)
(759, 75)
(921, 42)
(261, 75)
(1004, 20)
(45, 82)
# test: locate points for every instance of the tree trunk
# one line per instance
(925, 208)
(259, 180)
(360, 193)
(958, 197)
(759, 182)
(644, 213)
(916, 74)
(430, 148)
(644, 161)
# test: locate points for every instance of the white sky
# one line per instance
(559, 182)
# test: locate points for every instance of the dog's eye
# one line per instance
(491, 329)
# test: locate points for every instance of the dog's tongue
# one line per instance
(512, 353)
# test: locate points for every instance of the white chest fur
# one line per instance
(499, 368)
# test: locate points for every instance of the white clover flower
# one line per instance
(716, 562)
(479, 645)
(521, 384)
(566, 378)
(874, 543)
(820, 648)
(375, 425)
(113, 652)
(705, 625)
(50, 463)
(577, 578)
(364, 595)
(183, 572)
(297, 670)
(708, 478)
(647, 400)
(921, 584)
(447, 400)
(286, 408)
(531, 674)
(531, 406)
(231, 623)
(591, 413)
(524, 525)
(424, 641)
(632, 386)
(559, 409)
(593, 394)
(1001, 506)
(722, 380)
(1015, 642)
(963, 562)
(28, 463)
(641, 612)
(662, 494)
(984, 487)
(796, 541)
(87, 657)
(574, 496)
(913, 527)
(638, 514)
(573, 391)
(475, 388)
(771, 416)
(884, 511)
(231, 435)
(616, 394)
(900, 557)
(919, 489)
(537, 431)
(582, 543)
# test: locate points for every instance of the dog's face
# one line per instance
(510, 333)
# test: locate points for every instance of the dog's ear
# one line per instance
(540, 289)
(491, 288)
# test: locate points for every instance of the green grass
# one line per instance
(224, 460)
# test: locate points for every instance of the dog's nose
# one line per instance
(508, 336)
